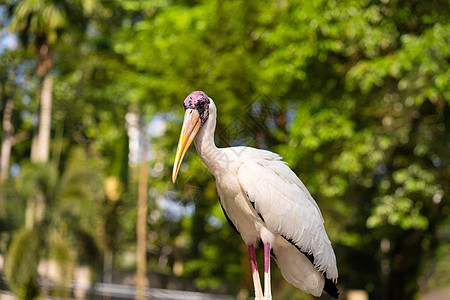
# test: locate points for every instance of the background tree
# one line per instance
(353, 94)
(39, 21)
(66, 231)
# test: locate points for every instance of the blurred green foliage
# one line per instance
(353, 94)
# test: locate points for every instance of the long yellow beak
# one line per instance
(191, 125)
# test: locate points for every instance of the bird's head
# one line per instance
(196, 107)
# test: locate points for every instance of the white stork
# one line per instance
(265, 202)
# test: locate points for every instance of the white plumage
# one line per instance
(288, 209)
(266, 202)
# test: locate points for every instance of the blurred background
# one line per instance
(354, 95)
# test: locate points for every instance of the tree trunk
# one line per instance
(7, 137)
(45, 119)
(141, 278)
(107, 271)
(40, 144)
(404, 266)
(40, 147)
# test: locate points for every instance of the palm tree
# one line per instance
(40, 20)
(71, 221)
(43, 22)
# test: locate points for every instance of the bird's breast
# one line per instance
(238, 209)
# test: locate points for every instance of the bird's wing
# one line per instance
(288, 209)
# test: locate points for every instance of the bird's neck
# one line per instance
(204, 142)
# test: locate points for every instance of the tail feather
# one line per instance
(330, 288)
(297, 269)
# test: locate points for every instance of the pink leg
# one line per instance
(255, 274)
(266, 257)
(267, 289)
